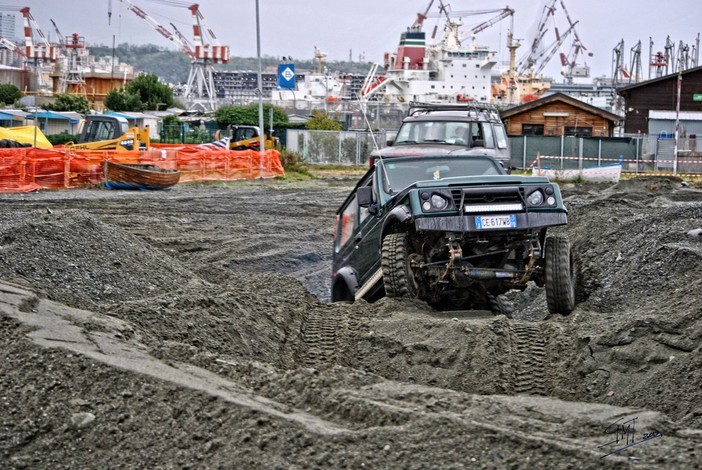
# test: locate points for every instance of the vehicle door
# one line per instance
(357, 233)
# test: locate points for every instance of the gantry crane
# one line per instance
(72, 49)
(199, 90)
(39, 53)
(537, 59)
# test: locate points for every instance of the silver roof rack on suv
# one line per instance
(474, 109)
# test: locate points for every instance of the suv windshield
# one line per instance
(406, 171)
(431, 132)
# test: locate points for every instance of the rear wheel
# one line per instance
(398, 278)
(560, 282)
(341, 293)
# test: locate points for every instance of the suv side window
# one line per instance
(501, 136)
(347, 223)
(351, 219)
(487, 132)
(477, 134)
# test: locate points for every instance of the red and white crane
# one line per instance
(539, 55)
(38, 50)
(204, 52)
(41, 50)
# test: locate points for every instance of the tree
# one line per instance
(154, 94)
(122, 100)
(142, 93)
(322, 122)
(248, 115)
(9, 93)
(69, 102)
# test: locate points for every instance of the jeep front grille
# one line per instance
(489, 199)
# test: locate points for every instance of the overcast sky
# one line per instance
(342, 28)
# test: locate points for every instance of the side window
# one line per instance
(487, 132)
(105, 131)
(501, 136)
(351, 217)
(347, 222)
(477, 132)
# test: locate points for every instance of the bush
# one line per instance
(62, 138)
(292, 162)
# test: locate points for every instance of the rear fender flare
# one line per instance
(346, 275)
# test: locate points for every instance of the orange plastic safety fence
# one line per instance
(29, 169)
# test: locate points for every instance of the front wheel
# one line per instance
(398, 278)
(559, 271)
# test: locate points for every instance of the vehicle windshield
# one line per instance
(445, 132)
(406, 171)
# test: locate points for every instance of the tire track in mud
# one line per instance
(528, 358)
(319, 332)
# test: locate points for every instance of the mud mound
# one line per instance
(78, 260)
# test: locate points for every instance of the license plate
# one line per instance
(495, 221)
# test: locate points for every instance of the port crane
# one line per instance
(537, 59)
(73, 51)
(40, 52)
(204, 52)
(37, 51)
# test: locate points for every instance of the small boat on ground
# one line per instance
(597, 174)
(138, 176)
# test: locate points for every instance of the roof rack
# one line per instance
(475, 108)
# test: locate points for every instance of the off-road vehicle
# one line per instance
(454, 231)
(452, 129)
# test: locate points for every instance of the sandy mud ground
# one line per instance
(191, 328)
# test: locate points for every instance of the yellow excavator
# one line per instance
(248, 138)
(102, 132)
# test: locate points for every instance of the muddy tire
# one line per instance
(397, 274)
(560, 272)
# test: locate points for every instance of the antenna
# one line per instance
(381, 162)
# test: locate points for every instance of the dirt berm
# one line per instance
(191, 328)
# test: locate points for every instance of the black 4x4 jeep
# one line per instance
(451, 129)
(454, 231)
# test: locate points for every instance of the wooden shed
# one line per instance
(559, 114)
(660, 94)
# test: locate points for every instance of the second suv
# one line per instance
(456, 129)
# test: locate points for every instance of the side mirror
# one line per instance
(364, 195)
(389, 142)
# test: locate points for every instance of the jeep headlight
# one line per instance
(536, 198)
(438, 202)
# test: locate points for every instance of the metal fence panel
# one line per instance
(639, 153)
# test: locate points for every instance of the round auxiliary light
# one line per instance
(535, 198)
(551, 201)
(549, 190)
(426, 206)
(424, 195)
(438, 202)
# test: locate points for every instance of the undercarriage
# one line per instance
(463, 270)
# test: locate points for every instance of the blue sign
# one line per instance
(286, 76)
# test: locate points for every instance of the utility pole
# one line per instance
(262, 130)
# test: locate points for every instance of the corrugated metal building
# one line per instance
(661, 94)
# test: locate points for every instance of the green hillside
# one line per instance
(173, 66)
